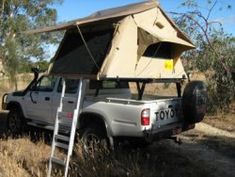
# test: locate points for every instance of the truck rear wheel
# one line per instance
(15, 122)
(94, 140)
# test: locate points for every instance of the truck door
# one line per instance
(39, 100)
(70, 92)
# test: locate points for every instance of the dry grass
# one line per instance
(9, 167)
(159, 160)
(23, 158)
(6, 86)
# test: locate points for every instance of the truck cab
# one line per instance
(37, 104)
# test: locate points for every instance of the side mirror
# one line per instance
(35, 70)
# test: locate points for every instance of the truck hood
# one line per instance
(17, 93)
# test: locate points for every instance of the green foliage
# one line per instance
(215, 53)
(16, 17)
(42, 65)
(25, 66)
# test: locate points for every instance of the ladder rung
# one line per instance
(64, 129)
(62, 137)
(61, 145)
(69, 99)
(65, 115)
(65, 122)
(58, 161)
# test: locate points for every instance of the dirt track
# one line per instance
(211, 147)
(207, 147)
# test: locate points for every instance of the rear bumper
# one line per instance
(166, 131)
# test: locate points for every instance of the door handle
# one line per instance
(47, 98)
(70, 102)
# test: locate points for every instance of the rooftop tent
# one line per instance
(137, 41)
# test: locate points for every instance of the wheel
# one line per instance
(15, 122)
(194, 101)
(94, 140)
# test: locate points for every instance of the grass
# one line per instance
(26, 158)
(159, 160)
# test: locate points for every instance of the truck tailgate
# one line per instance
(165, 112)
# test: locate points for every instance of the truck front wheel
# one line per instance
(15, 122)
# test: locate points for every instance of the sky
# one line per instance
(73, 9)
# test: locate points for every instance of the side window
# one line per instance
(71, 86)
(46, 84)
(108, 84)
(114, 84)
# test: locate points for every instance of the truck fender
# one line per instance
(14, 104)
(87, 119)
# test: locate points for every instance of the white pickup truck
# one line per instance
(108, 110)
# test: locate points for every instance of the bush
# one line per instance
(215, 53)
(219, 58)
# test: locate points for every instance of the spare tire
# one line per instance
(194, 101)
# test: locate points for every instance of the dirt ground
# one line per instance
(205, 151)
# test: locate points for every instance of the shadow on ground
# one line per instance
(35, 134)
(221, 144)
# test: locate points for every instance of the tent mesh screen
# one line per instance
(73, 57)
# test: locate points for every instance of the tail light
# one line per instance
(69, 115)
(145, 117)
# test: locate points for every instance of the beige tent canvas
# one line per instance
(137, 41)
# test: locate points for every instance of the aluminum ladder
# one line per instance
(65, 142)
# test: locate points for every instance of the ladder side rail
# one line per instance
(56, 127)
(74, 123)
(62, 94)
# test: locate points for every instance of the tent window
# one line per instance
(159, 50)
(73, 57)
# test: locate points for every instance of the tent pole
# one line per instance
(87, 48)
(178, 87)
(140, 89)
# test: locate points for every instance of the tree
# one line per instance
(42, 65)
(16, 17)
(215, 51)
